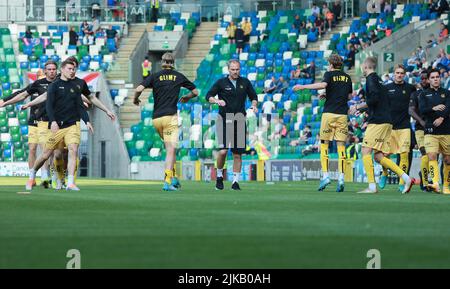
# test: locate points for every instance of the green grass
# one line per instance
(132, 224)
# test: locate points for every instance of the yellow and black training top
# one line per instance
(166, 86)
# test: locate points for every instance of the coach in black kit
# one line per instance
(232, 92)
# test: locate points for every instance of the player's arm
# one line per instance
(97, 102)
(147, 83)
(251, 93)
(189, 85)
(51, 95)
(210, 96)
(413, 111)
(85, 118)
(38, 100)
(373, 92)
(18, 98)
(316, 86)
(185, 98)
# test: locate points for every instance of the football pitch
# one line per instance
(134, 224)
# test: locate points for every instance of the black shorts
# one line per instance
(231, 136)
(240, 44)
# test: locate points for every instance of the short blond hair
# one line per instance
(371, 62)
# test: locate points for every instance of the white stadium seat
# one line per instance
(5, 137)
(128, 136)
(13, 122)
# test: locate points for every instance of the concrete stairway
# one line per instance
(129, 113)
(199, 47)
(324, 42)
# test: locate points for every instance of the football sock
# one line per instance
(368, 167)
(424, 169)
(168, 176)
(404, 164)
(324, 159)
(341, 164)
(434, 171)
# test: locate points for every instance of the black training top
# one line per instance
(38, 112)
(339, 87)
(64, 104)
(166, 85)
(234, 97)
(430, 98)
(399, 98)
(377, 100)
(414, 101)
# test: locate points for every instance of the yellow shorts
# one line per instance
(420, 138)
(68, 135)
(33, 134)
(43, 131)
(334, 127)
(377, 136)
(399, 142)
(437, 144)
(167, 128)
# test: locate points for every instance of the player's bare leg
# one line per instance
(221, 156)
(32, 157)
(73, 154)
(37, 165)
(237, 166)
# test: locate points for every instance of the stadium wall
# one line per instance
(108, 156)
(136, 59)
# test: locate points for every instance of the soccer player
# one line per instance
(420, 126)
(60, 153)
(378, 131)
(434, 104)
(38, 120)
(64, 109)
(399, 93)
(231, 127)
(166, 85)
(334, 123)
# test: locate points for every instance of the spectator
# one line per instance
(111, 33)
(382, 26)
(364, 40)
(315, 10)
(247, 27)
(267, 107)
(231, 30)
(154, 5)
(350, 60)
(310, 71)
(373, 37)
(86, 28)
(318, 23)
(28, 33)
(354, 40)
(296, 74)
(240, 39)
(337, 8)
(73, 36)
(95, 25)
(309, 24)
(282, 85)
(146, 68)
(411, 62)
(297, 22)
(273, 85)
(325, 9)
(443, 33)
(305, 135)
(441, 56)
(279, 129)
(329, 17)
(387, 8)
(386, 79)
(432, 42)
(421, 54)
(440, 6)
